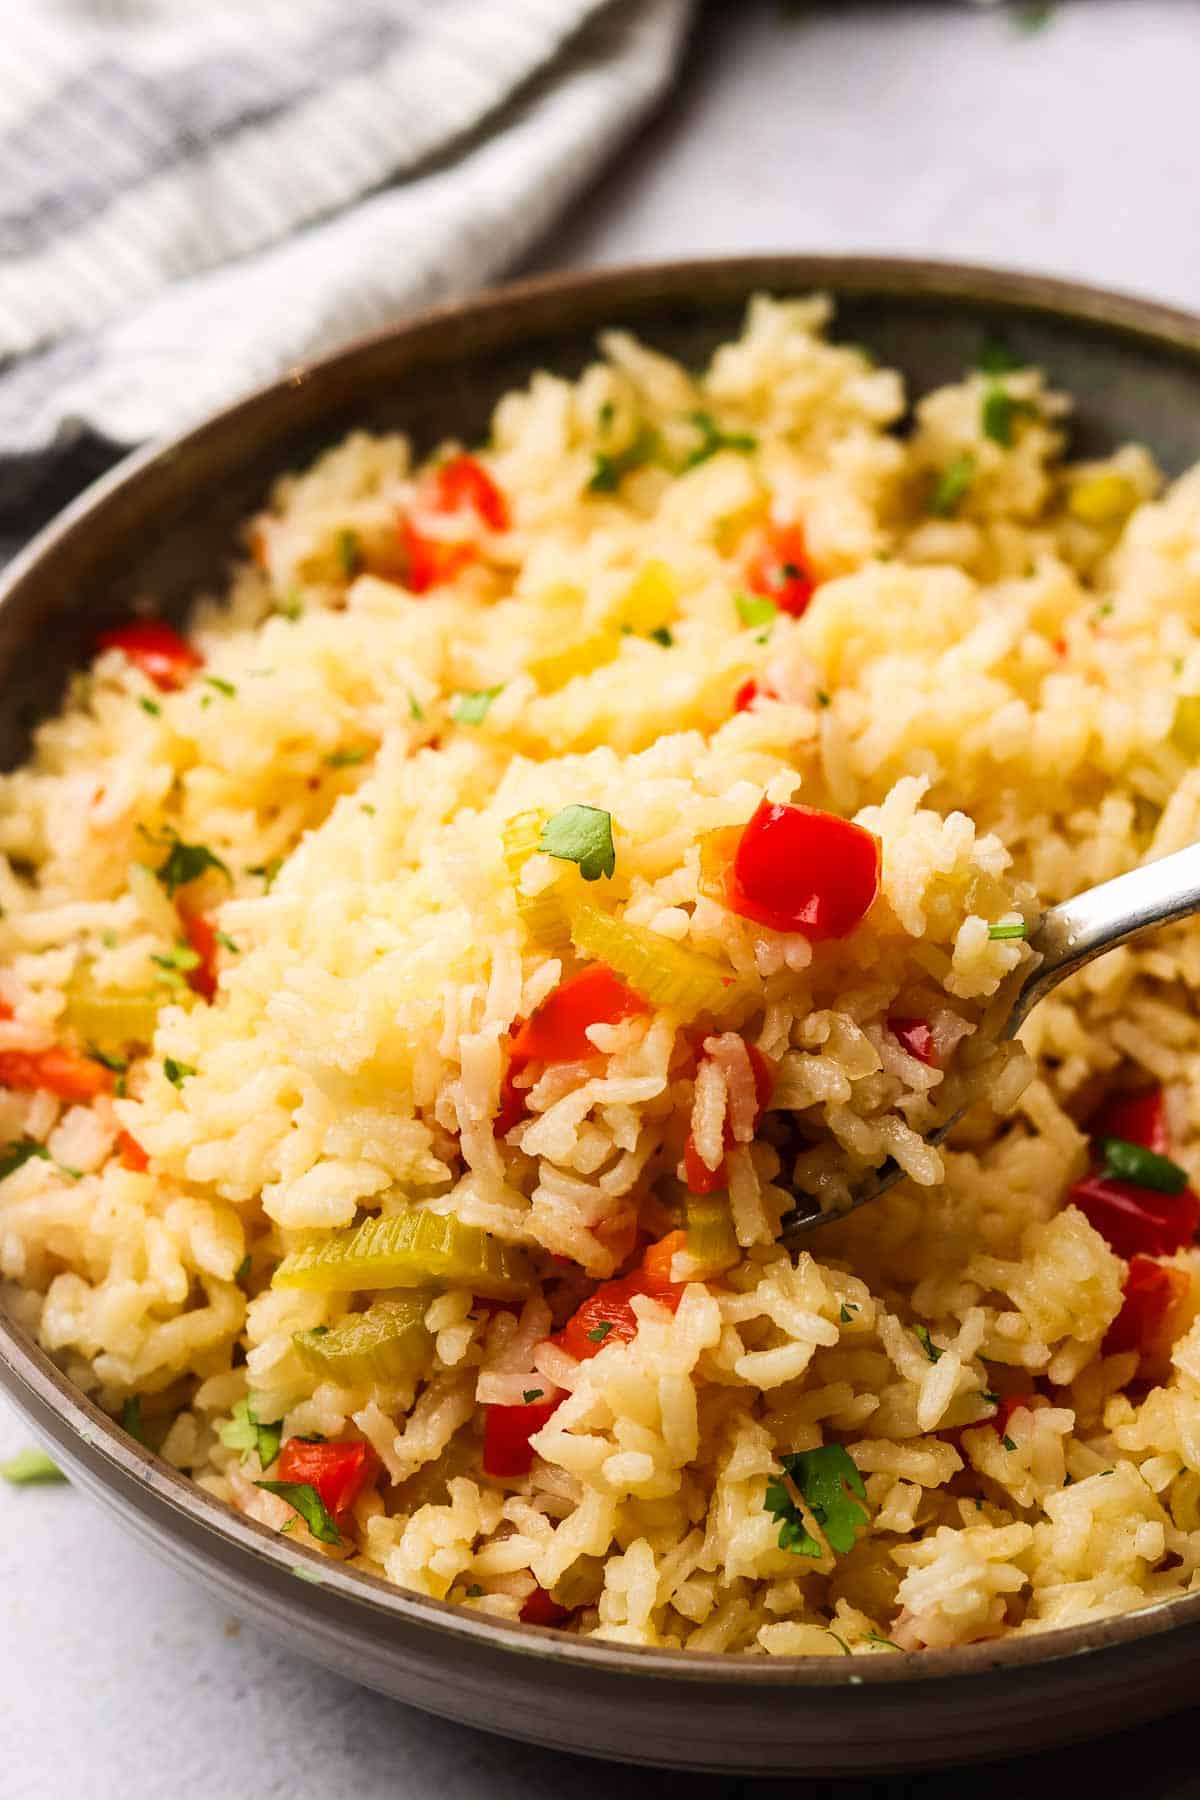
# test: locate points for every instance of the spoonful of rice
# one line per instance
(1067, 937)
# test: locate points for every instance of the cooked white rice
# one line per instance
(993, 691)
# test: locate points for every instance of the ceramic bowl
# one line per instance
(162, 524)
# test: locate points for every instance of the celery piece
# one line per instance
(408, 1250)
(387, 1343)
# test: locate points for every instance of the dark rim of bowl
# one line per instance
(496, 318)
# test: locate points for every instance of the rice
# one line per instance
(358, 790)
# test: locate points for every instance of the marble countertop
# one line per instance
(919, 129)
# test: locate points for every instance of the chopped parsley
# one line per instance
(609, 468)
(309, 1504)
(150, 706)
(1145, 1168)
(245, 1431)
(952, 485)
(474, 1591)
(662, 635)
(415, 709)
(532, 1394)
(599, 1332)
(117, 1064)
(1008, 1443)
(131, 1418)
(222, 686)
(472, 708)
(712, 439)
(176, 963)
(755, 609)
(176, 1072)
(999, 410)
(243, 1269)
(823, 698)
(346, 759)
(582, 835)
(847, 1314)
(290, 607)
(827, 1481)
(932, 1350)
(268, 871)
(17, 1153)
(350, 554)
(186, 863)
(1017, 929)
(997, 359)
(226, 942)
(28, 1467)
(992, 1399)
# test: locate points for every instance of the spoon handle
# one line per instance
(1080, 929)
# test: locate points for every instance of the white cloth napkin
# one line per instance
(195, 195)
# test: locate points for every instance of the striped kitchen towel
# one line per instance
(198, 194)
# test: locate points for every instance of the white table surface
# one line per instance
(923, 129)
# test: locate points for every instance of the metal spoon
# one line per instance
(1067, 936)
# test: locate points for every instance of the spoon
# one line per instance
(1066, 938)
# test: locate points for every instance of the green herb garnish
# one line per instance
(582, 835)
(243, 1269)
(226, 942)
(847, 1313)
(1145, 1168)
(755, 609)
(18, 1152)
(150, 706)
(176, 963)
(997, 359)
(245, 1431)
(415, 709)
(222, 686)
(290, 607)
(599, 1332)
(827, 1480)
(268, 871)
(176, 1072)
(999, 410)
(28, 1467)
(308, 1503)
(932, 1350)
(350, 553)
(662, 635)
(609, 469)
(346, 759)
(1008, 1443)
(1018, 929)
(712, 439)
(472, 708)
(823, 698)
(474, 1591)
(531, 1394)
(952, 485)
(186, 863)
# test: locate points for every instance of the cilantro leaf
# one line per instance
(1133, 1162)
(176, 1072)
(268, 871)
(149, 706)
(309, 1504)
(582, 835)
(951, 485)
(999, 410)
(346, 759)
(222, 686)
(932, 1351)
(827, 1480)
(186, 863)
(755, 609)
(175, 964)
(847, 1314)
(663, 635)
(712, 439)
(599, 1332)
(28, 1467)
(471, 708)
(532, 1394)
(226, 942)
(610, 468)
(245, 1431)
(15, 1154)
(416, 711)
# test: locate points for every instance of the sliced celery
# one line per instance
(711, 1240)
(678, 980)
(543, 914)
(112, 1022)
(407, 1250)
(387, 1343)
(1102, 499)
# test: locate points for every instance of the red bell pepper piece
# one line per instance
(779, 570)
(541, 1608)
(556, 1031)
(203, 939)
(1138, 1118)
(339, 1472)
(463, 484)
(607, 1316)
(1135, 1220)
(746, 695)
(915, 1036)
(798, 869)
(1153, 1293)
(431, 560)
(131, 1152)
(700, 1178)
(1007, 1408)
(514, 1103)
(158, 651)
(61, 1071)
(506, 1434)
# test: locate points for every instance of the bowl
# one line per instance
(162, 523)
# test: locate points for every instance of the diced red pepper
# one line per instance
(1138, 1118)
(746, 695)
(780, 571)
(607, 1316)
(799, 869)
(700, 1178)
(506, 1434)
(430, 560)
(514, 1101)
(61, 1071)
(339, 1472)
(1136, 1220)
(131, 1152)
(203, 939)
(1007, 1408)
(463, 483)
(915, 1036)
(557, 1030)
(541, 1608)
(1154, 1292)
(158, 651)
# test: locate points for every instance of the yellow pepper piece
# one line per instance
(1185, 732)
(111, 1022)
(1102, 500)
(408, 1250)
(651, 601)
(680, 981)
(387, 1343)
(555, 669)
(711, 1240)
(542, 914)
